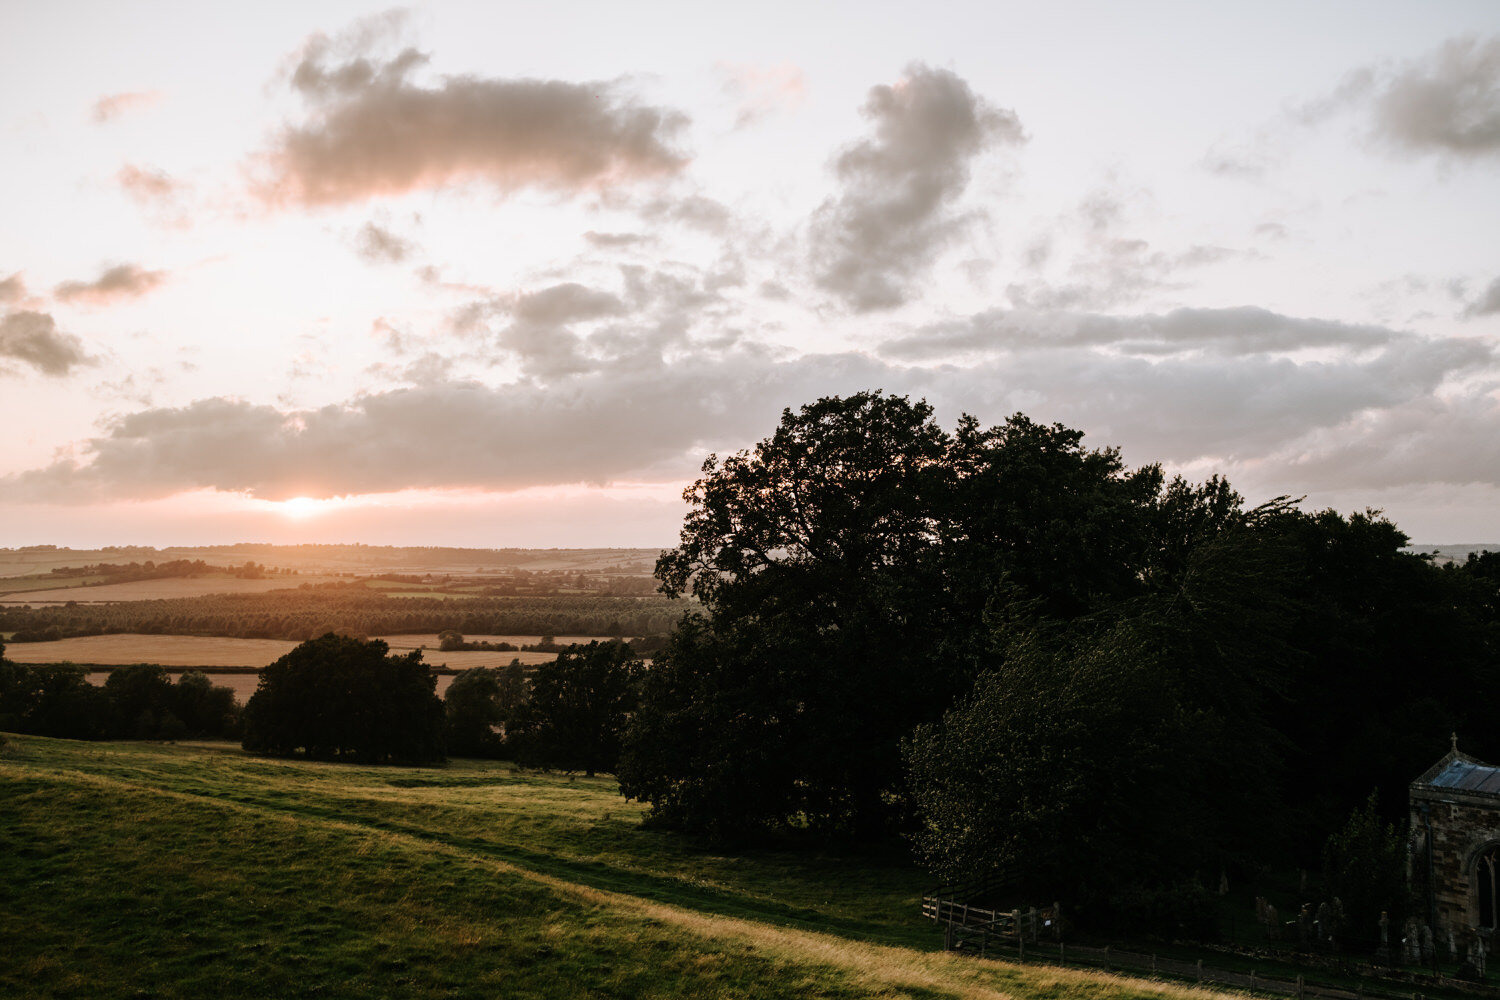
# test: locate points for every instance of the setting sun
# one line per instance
(299, 508)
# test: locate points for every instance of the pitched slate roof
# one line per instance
(1459, 772)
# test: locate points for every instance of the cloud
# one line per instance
(123, 281)
(149, 186)
(612, 240)
(13, 289)
(604, 426)
(693, 211)
(1431, 439)
(1109, 268)
(108, 108)
(381, 246)
(1448, 101)
(372, 131)
(1235, 332)
(33, 338)
(762, 90)
(1487, 304)
(895, 212)
(162, 195)
(1248, 392)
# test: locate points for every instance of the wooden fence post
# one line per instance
(1200, 970)
(1106, 958)
(1300, 988)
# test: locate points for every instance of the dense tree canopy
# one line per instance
(1094, 671)
(846, 565)
(136, 702)
(578, 707)
(483, 705)
(337, 697)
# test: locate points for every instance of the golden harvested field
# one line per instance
(215, 651)
(168, 650)
(150, 590)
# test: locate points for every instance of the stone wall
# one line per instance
(1463, 825)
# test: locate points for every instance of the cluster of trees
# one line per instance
(1030, 658)
(570, 714)
(342, 698)
(139, 702)
(300, 615)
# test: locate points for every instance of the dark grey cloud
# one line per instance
(1308, 401)
(123, 281)
(112, 106)
(381, 246)
(1452, 439)
(622, 424)
(371, 130)
(1228, 332)
(1236, 388)
(33, 338)
(13, 289)
(896, 209)
(1488, 303)
(1447, 101)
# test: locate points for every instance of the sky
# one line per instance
(503, 274)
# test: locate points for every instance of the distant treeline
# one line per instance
(139, 702)
(303, 614)
(151, 570)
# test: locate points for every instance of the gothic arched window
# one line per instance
(1487, 885)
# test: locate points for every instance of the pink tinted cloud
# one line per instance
(372, 131)
(111, 106)
(123, 281)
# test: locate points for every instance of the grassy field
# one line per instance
(131, 870)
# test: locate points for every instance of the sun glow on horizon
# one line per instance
(302, 508)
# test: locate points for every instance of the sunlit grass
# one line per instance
(195, 870)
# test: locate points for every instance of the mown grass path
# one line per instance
(133, 870)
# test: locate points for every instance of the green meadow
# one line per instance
(192, 870)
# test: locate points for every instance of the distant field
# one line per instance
(187, 871)
(430, 640)
(151, 590)
(167, 650)
(358, 559)
(213, 651)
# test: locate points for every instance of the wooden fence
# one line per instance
(1035, 935)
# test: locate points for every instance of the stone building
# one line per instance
(1455, 850)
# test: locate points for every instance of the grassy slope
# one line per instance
(186, 871)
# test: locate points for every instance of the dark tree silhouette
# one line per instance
(578, 708)
(341, 698)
